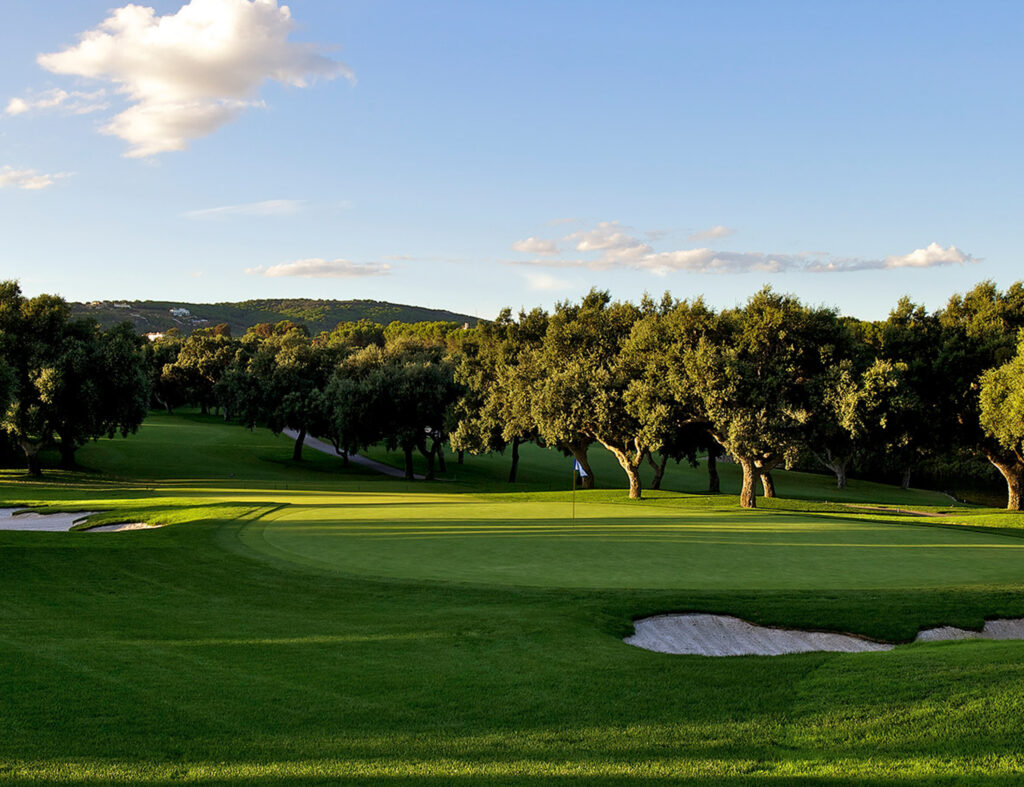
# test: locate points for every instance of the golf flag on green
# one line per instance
(579, 468)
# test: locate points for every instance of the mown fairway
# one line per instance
(318, 624)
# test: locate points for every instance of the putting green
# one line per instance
(650, 545)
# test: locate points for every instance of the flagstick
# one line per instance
(574, 495)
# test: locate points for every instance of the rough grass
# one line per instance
(192, 653)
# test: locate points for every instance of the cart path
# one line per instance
(357, 459)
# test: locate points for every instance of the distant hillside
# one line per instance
(318, 315)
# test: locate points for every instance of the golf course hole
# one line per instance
(25, 519)
(701, 634)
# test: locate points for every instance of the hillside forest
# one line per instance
(771, 383)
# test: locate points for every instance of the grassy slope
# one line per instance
(318, 314)
(185, 653)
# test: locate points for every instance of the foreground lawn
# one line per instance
(313, 624)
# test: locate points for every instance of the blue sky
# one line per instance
(470, 155)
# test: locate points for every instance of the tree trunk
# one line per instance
(297, 450)
(635, 488)
(514, 470)
(166, 405)
(430, 462)
(462, 454)
(630, 462)
(203, 409)
(748, 493)
(32, 457)
(1012, 469)
(409, 475)
(905, 483)
(439, 451)
(659, 470)
(764, 470)
(836, 464)
(579, 453)
(714, 484)
(632, 473)
(67, 454)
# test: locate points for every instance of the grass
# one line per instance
(317, 625)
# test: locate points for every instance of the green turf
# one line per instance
(661, 543)
(312, 625)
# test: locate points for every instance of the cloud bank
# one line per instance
(323, 269)
(535, 246)
(27, 179)
(610, 245)
(75, 103)
(270, 207)
(712, 233)
(187, 74)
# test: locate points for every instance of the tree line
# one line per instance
(65, 381)
(767, 384)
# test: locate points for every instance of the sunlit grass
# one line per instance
(312, 624)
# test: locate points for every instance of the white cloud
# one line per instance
(712, 233)
(536, 246)
(270, 207)
(610, 245)
(187, 74)
(76, 102)
(930, 256)
(607, 235)
(323, 269)
(27, 179)
(546, 282)
(16, 106)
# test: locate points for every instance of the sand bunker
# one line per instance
(1012, 628)
(10, 519)
(121, 527)
(26, 519)
(720, 635)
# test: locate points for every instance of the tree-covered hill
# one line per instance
(318, 315)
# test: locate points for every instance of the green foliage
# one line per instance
(201, 360)
(1002, 402)
(400, 395)
(753, 378)
(318, 315)
(65, 378)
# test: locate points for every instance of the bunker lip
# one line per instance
(25, 519)
(121, 527)
(702, 634)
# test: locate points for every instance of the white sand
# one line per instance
(33, 521)
(121, 527)
(721, 635)
(1012, 628)
(11, 519)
